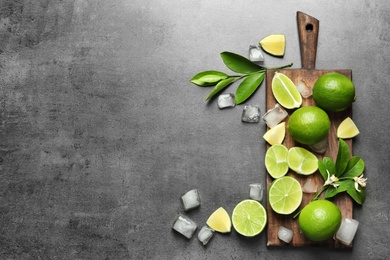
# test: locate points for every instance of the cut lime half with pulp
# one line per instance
(285, 195)
(302, 161)
(276, 160)
(249, 218)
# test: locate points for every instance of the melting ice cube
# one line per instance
(251, 114)
(310, 186)
(256, 191)
(226, 100)
(285, 234)
(255, 53)
(191, 199)
(184, 226)
(274, 116)
(304, 89)
(347, 230)
(320, 147)
(205, 234)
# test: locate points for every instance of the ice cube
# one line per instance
(251, 114)
(320, 147)
(226, 100)
(191, 199)
(205, 234)
(285, 234)
(255, 53)
(256, 191)
(184, 226)
(304, 89)
(309, 186)
(347, 230)
(274, 116)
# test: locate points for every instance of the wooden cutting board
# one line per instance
(308, 37)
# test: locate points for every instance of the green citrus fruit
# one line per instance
(302, 161)
(319, 220)
(308, 125)
(285, 195)
(249, 218)
(276, 160)
(285, 91)
(334, 92)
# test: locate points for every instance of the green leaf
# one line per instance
(248, 86)
(326, 165)
(354, 168)
(358, 197)
(342, 159)
(220, 86)
(239, 63)
(208, 78)
(332, 191)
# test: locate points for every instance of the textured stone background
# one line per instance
(101, 132)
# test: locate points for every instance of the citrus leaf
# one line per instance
(220, 86)
(354, 168)
(326, 165)
(208, 78)
(248, 86)
(332, 191)
(342, 159)
(358, 197)
(239, 63)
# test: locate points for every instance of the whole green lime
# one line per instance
(319, 220)
(334, 92)
(308, 125)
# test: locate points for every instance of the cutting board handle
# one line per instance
(308, 27)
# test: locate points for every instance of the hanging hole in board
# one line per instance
(309, 27)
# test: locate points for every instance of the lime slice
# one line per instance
(220, 221)
(347, 129)
(249, 218)
(276, 134)
(274, 44)
(285, 91)
(276, 160)
(285, 195)
(302, 161)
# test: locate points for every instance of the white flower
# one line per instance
(331, 180)
(360, 181)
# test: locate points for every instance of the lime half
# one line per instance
(285, 91)
(302, 161)
(276, 160)
(285, 195)
(249, 218)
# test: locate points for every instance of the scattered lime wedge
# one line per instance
(249, 218)
(276, 160)
(302, 161)
(276, 134)
(274, 44)
(347, 129)
(220, 221)
(285, 195)
(285, 91)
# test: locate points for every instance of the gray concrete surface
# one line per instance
(101, 132)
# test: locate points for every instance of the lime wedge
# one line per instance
(249, 218)
(276, 160)
(220, 221)
(274, 44)
(276, 134)
(302, 161)
(285, 91)
(347, 129)
(285, 195)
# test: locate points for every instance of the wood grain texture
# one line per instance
(343, 201)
